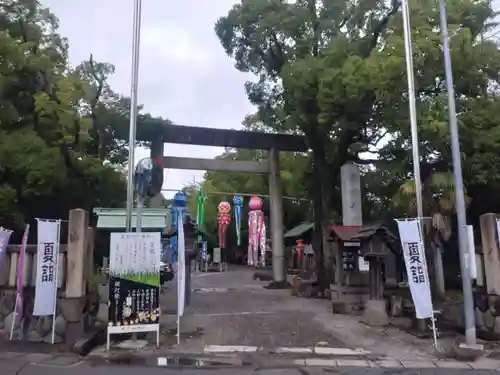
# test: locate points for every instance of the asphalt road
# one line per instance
(85, 369)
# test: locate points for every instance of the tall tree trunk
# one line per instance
(324, 269)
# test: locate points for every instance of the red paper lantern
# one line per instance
(223, 219)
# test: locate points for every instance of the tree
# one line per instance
(311, 60)
(335, 72)
(61, 129)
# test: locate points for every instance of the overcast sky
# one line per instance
(185, 75)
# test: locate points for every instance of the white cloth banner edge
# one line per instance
(424, 309)
(181, 267)
(45, 304)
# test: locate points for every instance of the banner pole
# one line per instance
(56, 280)
(14, 319)
(178, 329)
(433, 316)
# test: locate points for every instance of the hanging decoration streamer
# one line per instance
(200, 211)
(238, 205)
(255, 231)
(224, 219)
(263, 245)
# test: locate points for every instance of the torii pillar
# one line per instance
(276, 211)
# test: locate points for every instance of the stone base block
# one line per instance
(71, 309)
(187, 325)
(339, 307)
(466, 352)
(375, 313)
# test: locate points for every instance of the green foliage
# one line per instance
(61, 128)
(335, 72)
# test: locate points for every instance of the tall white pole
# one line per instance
(136, 40)
(414, 131)
(470, 325)
(413, 107)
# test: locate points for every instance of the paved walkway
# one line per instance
(235, 310)
(238, 317)
(45, 364)
(249, 328)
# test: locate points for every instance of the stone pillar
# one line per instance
(90, 253)
(489, 240)
(14, 257)
(350, 178)
(352, 214)
(276, 212)
(156, 151)
(5, 268)
(76, 283)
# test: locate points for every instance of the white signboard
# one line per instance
(217, 256)
(416, 267)
(46, 271)
(363, 264)
(134, 283)
(472, 252)
(139, 253)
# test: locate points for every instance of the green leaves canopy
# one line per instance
(61, 128)
(335, 71)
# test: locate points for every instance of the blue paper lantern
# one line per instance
(180, 199)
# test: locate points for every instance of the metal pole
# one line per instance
(470, 326)
(133, 111)
(413, 107)
(138, 220)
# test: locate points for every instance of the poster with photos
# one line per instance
(134, 282)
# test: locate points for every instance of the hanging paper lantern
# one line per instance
(238, 205)
(148, 177)
(180, 199)
(255, 231)
(223, 220)
(255, 203)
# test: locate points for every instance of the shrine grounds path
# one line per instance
(232, 309)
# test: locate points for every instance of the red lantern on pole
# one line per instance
(300, 253)
(223, 219)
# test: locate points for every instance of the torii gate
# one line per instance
(236, 139)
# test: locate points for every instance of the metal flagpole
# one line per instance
(413, 106)
(56, 279)
(470, 325)
(133, 110)
(414, 135)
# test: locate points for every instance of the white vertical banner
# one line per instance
(46, 271)
(4, 242)
(181, 273)
(416, 267)
(472, 252)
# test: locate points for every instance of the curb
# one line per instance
(319, 356)
(316, 350)
(396, 364)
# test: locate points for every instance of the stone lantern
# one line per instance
(375, 241)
